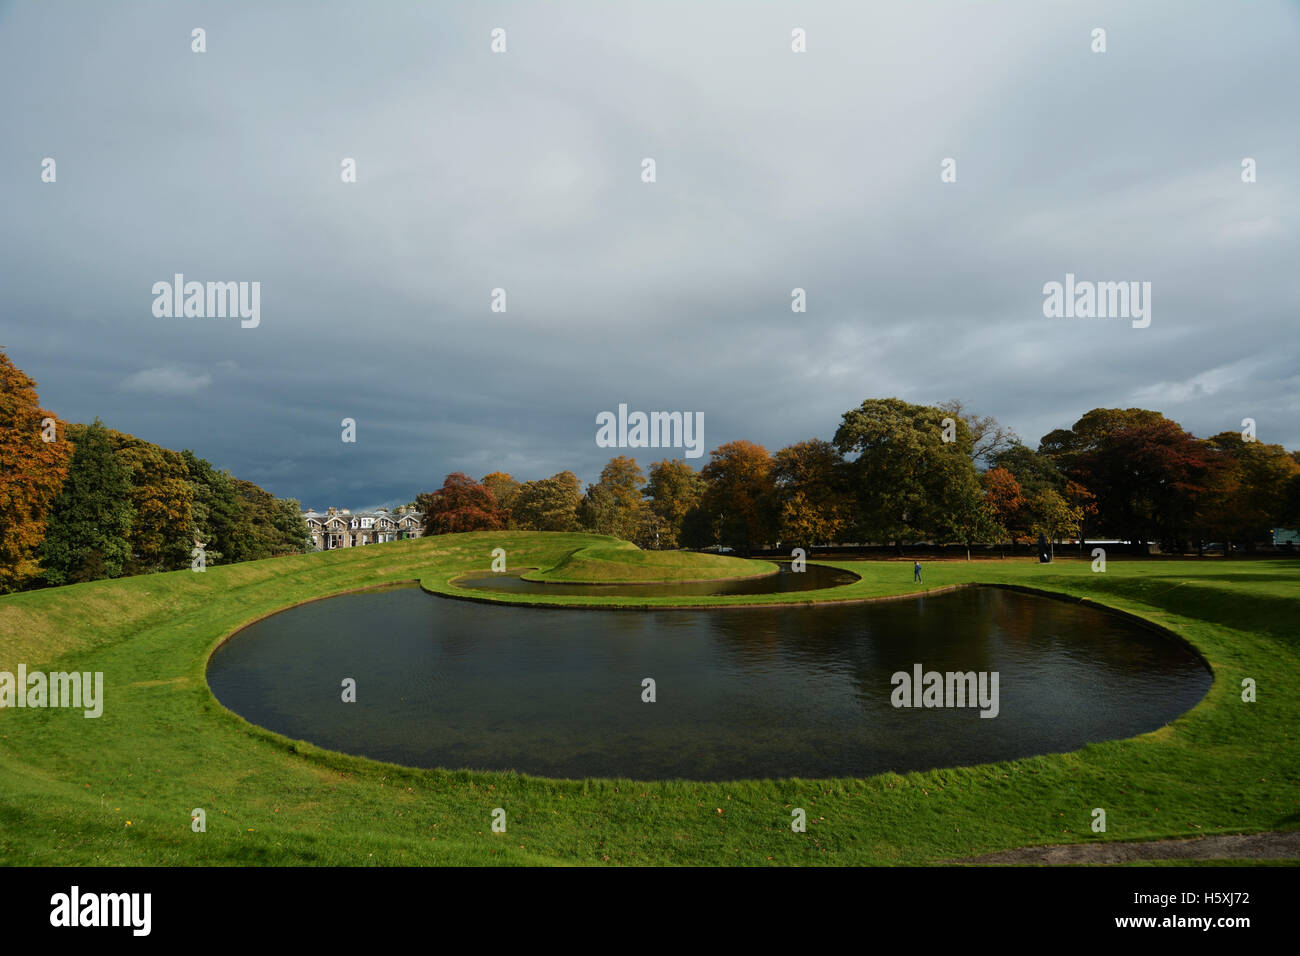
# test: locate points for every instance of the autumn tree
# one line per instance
(90, 520)
(1084, 503)
(1092, 431)
(1149, 476)
(813, 504)
(739, 496)
(1006, 502)
(550, 504)
(1031, 469)
(1249, 497)
(461, 504)
(1037, 474)
(672, 490)
(505, 489)
(32, 471)
(613, 505)
(161, 501)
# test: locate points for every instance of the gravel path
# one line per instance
(1272, 845)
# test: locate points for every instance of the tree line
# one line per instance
(83, 502)
(897, 473)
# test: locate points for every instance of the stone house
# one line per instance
(342, 528)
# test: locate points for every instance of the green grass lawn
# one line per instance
(624, 563)
(120, 789)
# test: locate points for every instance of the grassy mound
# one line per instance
(119, 789)
(625, 563)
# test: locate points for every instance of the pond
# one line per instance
(813, 576)
(739, 693)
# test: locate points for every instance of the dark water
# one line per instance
(741, 693)
(814, 576)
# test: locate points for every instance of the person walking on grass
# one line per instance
(916, 572)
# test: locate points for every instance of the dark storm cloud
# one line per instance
(775, 170)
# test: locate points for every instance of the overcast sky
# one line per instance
(523, 170)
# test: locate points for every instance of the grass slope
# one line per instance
(120, 789)
(625, 563)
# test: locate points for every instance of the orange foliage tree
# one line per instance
(1006, 501)
(739, 495)
(32, 470)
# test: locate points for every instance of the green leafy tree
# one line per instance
(1052, 516)
(161, 501)
(292, 535)
(613, 505)
(90, 521)
(671, 491)
(265, 526)
(550, 504)
(598, 512)
(909, 483)
(215, 509)
(813, 503)
(963, 514)
(1031, 469)
(1290, 517)
(698, 530)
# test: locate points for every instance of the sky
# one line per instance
(522, 170)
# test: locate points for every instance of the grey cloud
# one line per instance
(775, 170)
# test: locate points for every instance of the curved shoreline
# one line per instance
(613, 584)
(160, 630)
(409, 582)
(452, 583)
(739, 603)
(601, 554)
(290, 744)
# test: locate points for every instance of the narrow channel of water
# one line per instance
(814, 576)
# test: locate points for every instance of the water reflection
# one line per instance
(813, 577)
(753, 692)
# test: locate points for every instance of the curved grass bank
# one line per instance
(625, 563)
(120, 789)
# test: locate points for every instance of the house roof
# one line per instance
(344, 512)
